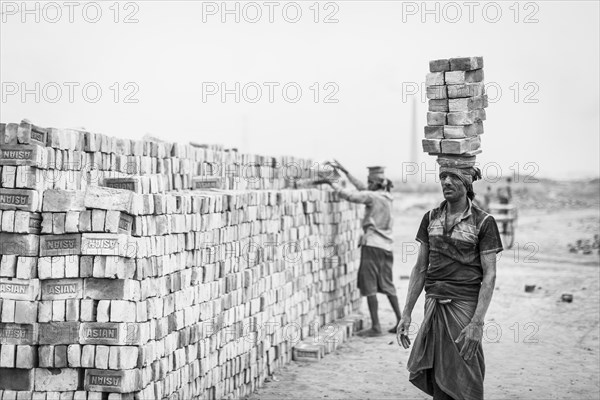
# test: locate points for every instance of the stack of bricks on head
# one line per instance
(457, 103)
(138, 269)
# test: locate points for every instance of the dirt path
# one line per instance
(536, 346)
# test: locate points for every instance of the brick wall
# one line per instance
(144, 269)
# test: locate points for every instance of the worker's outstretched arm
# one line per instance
(362, 197)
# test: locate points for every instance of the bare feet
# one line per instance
(370, 333)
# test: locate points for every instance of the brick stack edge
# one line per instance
(147, 270)
(457, 103)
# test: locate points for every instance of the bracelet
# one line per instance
(478, 323)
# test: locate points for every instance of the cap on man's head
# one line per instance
(376, 172)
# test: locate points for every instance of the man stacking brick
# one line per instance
(377, 259)
(456, 264)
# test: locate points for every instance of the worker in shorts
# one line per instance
(377, 259)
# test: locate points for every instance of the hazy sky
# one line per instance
(541, 65)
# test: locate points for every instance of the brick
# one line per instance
(8, 133)
(8, 266)
(436, 92)
(25, 312)
(8, 355)
(58, 245)
(85, 221)
(132, 184)
(466, 117)
(26, 267)
(205, 182)
(435, 79)
(72, 310)
(467, 104)
(72, 222)
(60, 356)
(123, 357)
(46, 356)
(460, 146)
(63, 379)
(87, 312)
(466, 90)
(29, 178)
(104, 198)
(105, 244)
(436, 118)
(8, 221)
(29, 155)
(19, 289)
(57, 333)
(58, 267)
(26, 356)
(28, 222)
(46, 224)
(111, 289)
(22, 245)
(28, 133)
(86, 264)
(466, 63)
(71, 266)
(60, 200)
(44, 267)
(88, 356)
(307, 352)
(459, 77)
(16, 379)
(434, 132)
(102, 354)
(459, 132)
(124, 381)
(74, 356)
(45, 311)
(58, 223)
(18, 334)
(103, 311)
(111, 333)
(8, 176)
(98, 217)
(122, 311)
(439, 65)
(431, 145)
(62, 289)
(58, 310)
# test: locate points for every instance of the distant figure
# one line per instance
(504, 194)
(376, 257)
(487, 199)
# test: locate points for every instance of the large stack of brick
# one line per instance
(457, 103)
(132, 269)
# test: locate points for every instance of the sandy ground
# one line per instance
(536, 346)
